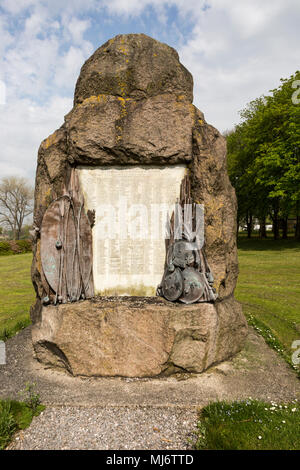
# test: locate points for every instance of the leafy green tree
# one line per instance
(264, 157)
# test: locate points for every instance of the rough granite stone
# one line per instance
(137, 336)
(136, 66)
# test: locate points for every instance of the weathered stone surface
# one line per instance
(114, 130)
(136, 66)
(138, 337)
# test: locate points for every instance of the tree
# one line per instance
(263, 155)
(251, 197)
(16, 203)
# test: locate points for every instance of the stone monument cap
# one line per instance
(133, 66)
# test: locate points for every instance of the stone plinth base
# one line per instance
(138, 336)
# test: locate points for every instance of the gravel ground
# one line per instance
(117, 428)
(257, 371)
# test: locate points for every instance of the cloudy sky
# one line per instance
(236, 50)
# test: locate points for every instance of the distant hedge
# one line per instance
(13, 247)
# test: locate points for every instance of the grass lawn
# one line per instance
(249, 425)
(16, 293)
(17, 415)
(269, 289)
(14, 416)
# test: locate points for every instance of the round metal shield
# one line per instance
(172, 285)
(193, 287)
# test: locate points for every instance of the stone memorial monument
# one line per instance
(135, 259)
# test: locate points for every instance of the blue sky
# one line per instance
(236, 51)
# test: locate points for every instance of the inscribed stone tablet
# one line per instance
(132, 206)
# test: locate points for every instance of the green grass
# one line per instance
(249, 425)
(16, 293)
(14, 416)
(269, 290)
(17, 415)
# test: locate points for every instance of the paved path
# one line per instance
(119, 413)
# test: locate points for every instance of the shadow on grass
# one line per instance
(268, 244)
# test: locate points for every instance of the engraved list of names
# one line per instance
(132, 206)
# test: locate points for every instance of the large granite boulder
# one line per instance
(133, 106)
(137, 337)
(133, 66)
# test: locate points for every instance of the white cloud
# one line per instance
(136, 7)
(125, 7)
(23, 126)
(16, 6)
(34, 24)
(252, 17)
(70, 63)
(54, 7)
(77, 28)
(28, 66)
(6, 38)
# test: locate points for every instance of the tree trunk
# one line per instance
(275, 219)
(284, 228)
(262, 228)
(276, 226)
(249, 224)
(297, 230)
